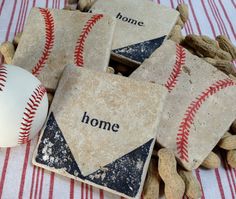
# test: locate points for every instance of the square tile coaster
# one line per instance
(199, 106)
(53, 38)
(141, 27)
(101, 130)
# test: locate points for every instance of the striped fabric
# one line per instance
(19, 179)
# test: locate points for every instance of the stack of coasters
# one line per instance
(53, 38)
(142, 26)
(199, 107)
(101, 130)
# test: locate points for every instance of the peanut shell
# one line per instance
(183, 10)
(212, 161)
(231, 158)
(192, 186)
(226, 45)
(228, 143)
(174, 185)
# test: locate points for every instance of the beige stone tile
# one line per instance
(53, 38)
(199, 107)
(141, 26)
(109, 123)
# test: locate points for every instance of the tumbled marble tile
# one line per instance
(142, 26)
(101, 130)
(199, 106)
(53, 38)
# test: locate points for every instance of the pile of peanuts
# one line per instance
(163, 166)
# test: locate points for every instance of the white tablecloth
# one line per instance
(19, 179)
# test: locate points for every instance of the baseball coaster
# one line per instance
(96, 134)
(53, 38)
(199, 107)
(141, 27)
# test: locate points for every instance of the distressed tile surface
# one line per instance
(141, 27)
(199, 107)
(114, 156)
(53, 38)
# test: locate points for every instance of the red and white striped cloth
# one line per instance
(19, 179)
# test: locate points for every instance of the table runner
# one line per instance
(19, 179)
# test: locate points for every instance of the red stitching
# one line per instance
(185, 125)
(49, 42)
(3, 77)
(79, 48)
(179, 62)
(29, 114)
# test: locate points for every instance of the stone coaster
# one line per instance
(199, 107)
(101, 130)
(141, 27)
(53, 38)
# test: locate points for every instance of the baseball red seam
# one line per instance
(187, 121)
(3, 77)
(49, 41)
(79, 48)
(29, 113)
(179, 62)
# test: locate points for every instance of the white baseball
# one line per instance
(23, 106)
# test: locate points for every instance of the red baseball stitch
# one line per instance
(49, 42)
(79, 48)
(185, 125)
(29, 114)
(3, 77)
(179, 62)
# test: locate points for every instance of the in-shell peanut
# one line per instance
(152, 182)
(174, 185)
(231, 158)
(206, 49)
(183, 10)
(176, 35)
(7, 49)
(192, 186)
(226, 45)
(228, 143)
(84, 5)
(212, 161)
(223, 65)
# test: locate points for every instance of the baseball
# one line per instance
(23, 105)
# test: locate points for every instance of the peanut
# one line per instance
(212, 161)
(227, 134)
(228, 143)
(192, 186)
(210, 41)
(152, 183)
(226, 45)
(231, 158)
(183, 10)
(206, 49)
(7, 49)
(174, 185)
(223, 65)
(17, 38)
(85, 5)
(180, 22)
(175, 34)
(110, 70)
